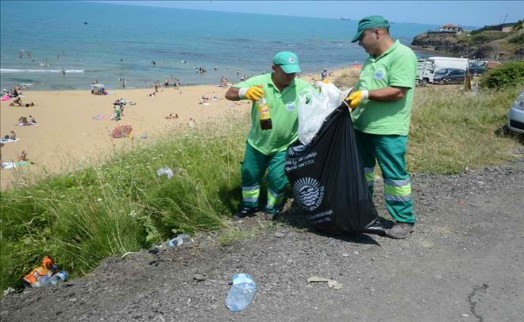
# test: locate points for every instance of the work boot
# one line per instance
(269, 216)
(400, 230)
(244, 211)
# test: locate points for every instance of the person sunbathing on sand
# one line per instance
(22, 157)
(22, 121)
(16, 102)
(12, 135)
(171, 116)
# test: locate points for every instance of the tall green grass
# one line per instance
(452, 130)
(80, 218)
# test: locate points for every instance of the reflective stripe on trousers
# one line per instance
(250, 196)
(397, 190)
(273, 201)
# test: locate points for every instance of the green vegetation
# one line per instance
(518, 39)
(82, 217)
(477, 38)
(452, 130)
(509, 74)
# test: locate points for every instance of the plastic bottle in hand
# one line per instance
(242, 292)
(264, 115)
(58, 277)
(178, 240)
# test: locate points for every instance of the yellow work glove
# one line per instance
(253, 93)
(355, 98)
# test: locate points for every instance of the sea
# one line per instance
(68, 45)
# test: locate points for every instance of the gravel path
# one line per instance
(464, 262)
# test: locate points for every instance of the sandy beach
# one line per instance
(73, 128)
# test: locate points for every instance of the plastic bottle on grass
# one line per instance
(178, 240)
(242, 292)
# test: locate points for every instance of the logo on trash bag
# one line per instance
(296, 149)
(309, 193)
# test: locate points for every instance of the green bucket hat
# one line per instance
(370, 23)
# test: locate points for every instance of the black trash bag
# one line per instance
(328, 179)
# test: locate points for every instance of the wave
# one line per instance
(11, 70)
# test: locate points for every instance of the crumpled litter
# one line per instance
(332, 284)
(165, 171)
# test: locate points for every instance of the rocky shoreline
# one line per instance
(487, 45)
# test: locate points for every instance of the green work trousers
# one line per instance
(253, 169)
(389, 152)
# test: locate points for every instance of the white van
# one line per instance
(427, 68)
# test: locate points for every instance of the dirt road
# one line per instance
(463, 263)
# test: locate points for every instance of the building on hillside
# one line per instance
(451, 28)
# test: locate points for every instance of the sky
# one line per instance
(462, 13)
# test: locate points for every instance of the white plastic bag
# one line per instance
(314, 106)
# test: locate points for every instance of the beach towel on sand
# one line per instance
(99, 117)
(11, 165)
(121, 131)
(4, 140)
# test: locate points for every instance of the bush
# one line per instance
(480, 38)
(517, 39)
(508, 75)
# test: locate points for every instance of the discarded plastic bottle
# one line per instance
(264, 115)
(44, 279)
(178, 240)
(241, 293)
(58, 277)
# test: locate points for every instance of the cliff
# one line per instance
(486, 43)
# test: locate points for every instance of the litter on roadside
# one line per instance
(46, 274)
(331, 282)
(165, 171)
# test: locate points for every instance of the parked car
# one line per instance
(516, 115)
(476, 68)
(449, 76)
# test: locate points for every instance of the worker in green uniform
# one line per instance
(381, 103)
(266, 149)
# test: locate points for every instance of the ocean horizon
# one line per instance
(64, 45)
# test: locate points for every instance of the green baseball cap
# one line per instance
(288, 61)
(370, 22)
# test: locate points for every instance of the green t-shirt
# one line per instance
(396, 67)
(283, 107)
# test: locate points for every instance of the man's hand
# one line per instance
(355, 98)
(253, 93)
